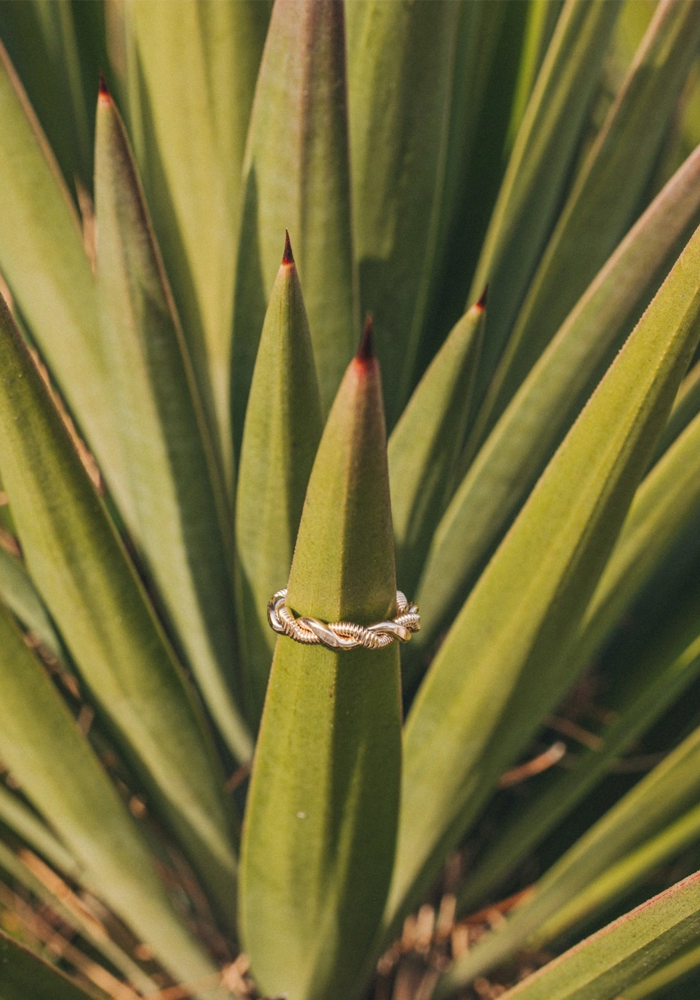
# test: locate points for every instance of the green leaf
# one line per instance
(282, 431)
(623, 875)
(323, 799)
(189, 131)
(21, 970)
(73, 915)
(91, 590)
(61, 776)
(605, 196)
(600, 967)
(42, 43)
(539, 165)
(650, 824)
(518, 627)
(643, 689)
(300, 109)
(516, 451)
(404, 65)
(426, 442)
(19, 594)
(25, 823)
(178, 496)
(40, 235)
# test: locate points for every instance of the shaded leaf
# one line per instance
(605, 195)
(648, 825)
(19, 594)
(539, 164)
(40, 234)
(189, 130)
(63, 779)
(20, 969)
(42, 42)
(426, 442)
(180, 524)
(622, 953)
(93, 594)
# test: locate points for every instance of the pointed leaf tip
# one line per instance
(103, 90)
(287, 256)
(481, 304)
(365, 351)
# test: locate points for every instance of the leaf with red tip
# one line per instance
(406, 62)
(297, 176)
(181, 519)
(40, 234)
(282, 430)
(189, 129)
(539, 165)
(319, 834)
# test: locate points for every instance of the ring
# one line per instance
(343, 635)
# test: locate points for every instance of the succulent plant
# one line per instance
(196, 804)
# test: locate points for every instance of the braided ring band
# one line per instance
(343, 635)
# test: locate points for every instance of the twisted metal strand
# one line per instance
(343, 635)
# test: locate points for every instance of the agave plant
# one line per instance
(192, 803)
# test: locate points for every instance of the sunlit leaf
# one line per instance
(324, 792)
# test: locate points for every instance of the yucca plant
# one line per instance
(195, 805)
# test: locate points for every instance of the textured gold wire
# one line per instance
(343, 635)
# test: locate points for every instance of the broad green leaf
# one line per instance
(21, 970)
(61, 776)
(403, 66)
(518, 448)
(645, 689)
(319, 833)
(42, 43)
(297, 177)
(92, 592)
(178, 496)
(19, 594)
(426, 442)
(605, 196)
(517, 629)
(76, 917)
(40, 235)
(282, 431)
(189, 129)
(654, 821)
(600, 967)
(539, 165)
